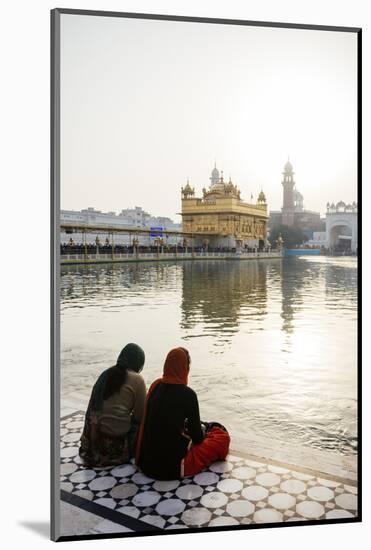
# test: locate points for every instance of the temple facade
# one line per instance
(221, 219)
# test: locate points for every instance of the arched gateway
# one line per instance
(341, 227)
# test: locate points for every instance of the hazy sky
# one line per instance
(146, 104)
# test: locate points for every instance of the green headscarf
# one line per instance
(110, 381)
(131, 357)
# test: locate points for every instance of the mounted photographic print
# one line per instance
(205, 280)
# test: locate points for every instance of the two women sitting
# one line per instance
(163, 431)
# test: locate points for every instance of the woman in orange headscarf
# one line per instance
(172, 442)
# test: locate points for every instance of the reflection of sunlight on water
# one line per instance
(341, 261)
(273, 343)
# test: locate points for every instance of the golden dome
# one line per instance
(261, 197)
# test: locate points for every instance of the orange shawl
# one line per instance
(176, 369)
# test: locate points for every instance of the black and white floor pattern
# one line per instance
(237, 491)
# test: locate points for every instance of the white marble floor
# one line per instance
(241, 490)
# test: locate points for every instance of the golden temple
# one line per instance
(220, 218)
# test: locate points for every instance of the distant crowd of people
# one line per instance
(78, 248)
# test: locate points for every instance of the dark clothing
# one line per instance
(172, 422)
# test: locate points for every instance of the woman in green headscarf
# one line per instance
(114, 412)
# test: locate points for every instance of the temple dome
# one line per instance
(215, 173)
(215, 179)
(261, 197)
(297, 195)
(288, 167)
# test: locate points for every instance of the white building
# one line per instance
(342, 226)
(319, 239)
(129, 218)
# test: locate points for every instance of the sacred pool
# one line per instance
(273, 342)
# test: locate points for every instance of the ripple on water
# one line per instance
(268, 339)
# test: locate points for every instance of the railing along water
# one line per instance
(161, 256)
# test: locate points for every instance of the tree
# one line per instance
(292, 235)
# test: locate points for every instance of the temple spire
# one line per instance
(214, 175)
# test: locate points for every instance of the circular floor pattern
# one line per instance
(68, 452)
(221, 467)
(222, 520)
(126, 490)
(281, 501)
(310, 509)
(206, 478)
(351, 489)
(347, 501)
(254, 464)
(232, 458)
(170, 507)
(268, 480)
(149, 498)
(240, 508)
(66, 486)
(255, 493)
(199, 515)
(189, 492)
(214, 500)
(107, 502)
(71, 437)
(267, 515)
(339, 514)
(125, 470)
(155, 520)
(196, 517)
(293, 486)
(67, 468)
(102, 483)
(277, 469)
(230, 485)
(75, 425)
(83, 476)
(322, 494)
(301, 476)
(129, 511)
(244, 472)
(165, 486)
(142, 479)
(328, 483)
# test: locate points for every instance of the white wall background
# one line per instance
(24, 115)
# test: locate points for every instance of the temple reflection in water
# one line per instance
(215, 293)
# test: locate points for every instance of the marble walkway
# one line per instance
(242, 490)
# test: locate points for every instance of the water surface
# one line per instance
(273, 342)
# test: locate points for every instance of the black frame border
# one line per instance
(55, 494)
